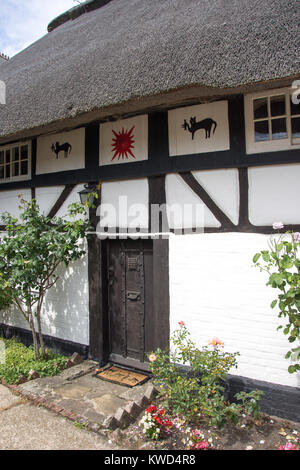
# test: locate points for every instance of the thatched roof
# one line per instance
(128, 54)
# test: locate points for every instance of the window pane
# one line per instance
(277, 105)
(296, 128)
(24, 152)
(15, 153)
(260, 108)
(261, 131)
(16, 169)
(295, 109)
(7, 153)
(7, 171)
(1, 172)
(24, 167)
(2, 156)
(279, 129)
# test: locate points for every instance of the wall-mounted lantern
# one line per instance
(84, 194)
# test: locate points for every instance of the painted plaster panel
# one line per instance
(72, 158)
(185, 209)
(216, 290)
(211, 129)
(274, 194)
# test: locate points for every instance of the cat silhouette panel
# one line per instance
(66, 148)
(205, 124)
(61, 152)
(199, 129)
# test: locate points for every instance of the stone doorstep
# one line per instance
(123, 417)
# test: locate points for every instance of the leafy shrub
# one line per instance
(282, 263)
(19, 360)
(200, 392)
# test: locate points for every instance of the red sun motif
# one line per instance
(122, 144)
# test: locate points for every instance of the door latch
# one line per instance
(133, 296)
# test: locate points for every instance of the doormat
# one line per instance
(120, 376)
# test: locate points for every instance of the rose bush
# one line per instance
(198, 391)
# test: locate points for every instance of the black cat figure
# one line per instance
(66, 148)
(205, 124)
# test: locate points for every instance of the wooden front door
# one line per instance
(130, 273)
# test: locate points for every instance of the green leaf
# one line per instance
(256, 257)
(274, 303)
(266, 256)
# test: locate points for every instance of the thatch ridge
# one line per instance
(134, 49)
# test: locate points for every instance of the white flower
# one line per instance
(261, 442)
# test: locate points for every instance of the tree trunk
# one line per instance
(34, 337)
(42, 344)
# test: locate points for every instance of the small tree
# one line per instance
(282, 263)
(30, 254)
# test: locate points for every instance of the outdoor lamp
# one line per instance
(84, 193)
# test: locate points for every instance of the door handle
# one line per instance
(133, 296)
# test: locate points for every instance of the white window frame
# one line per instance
(269, 145)
(10, 147)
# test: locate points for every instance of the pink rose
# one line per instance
(288, 446)
(278, 225)
(297, 237)
(181, 323)
(152, 358)
(216, 342)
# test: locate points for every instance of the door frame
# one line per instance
(130, 331)
(98, 288)
(98, 300)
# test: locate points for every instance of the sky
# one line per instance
(22, 22)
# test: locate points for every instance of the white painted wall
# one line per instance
(180, 196)
(47, 197)
(223, 187)
(124, 204)
(66, 308)
(71, 199)
(274, 194)
(10, 201)
(217, 292)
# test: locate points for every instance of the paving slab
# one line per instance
(78, 394)
(7, 399)
(107, 404)
(28, 427)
